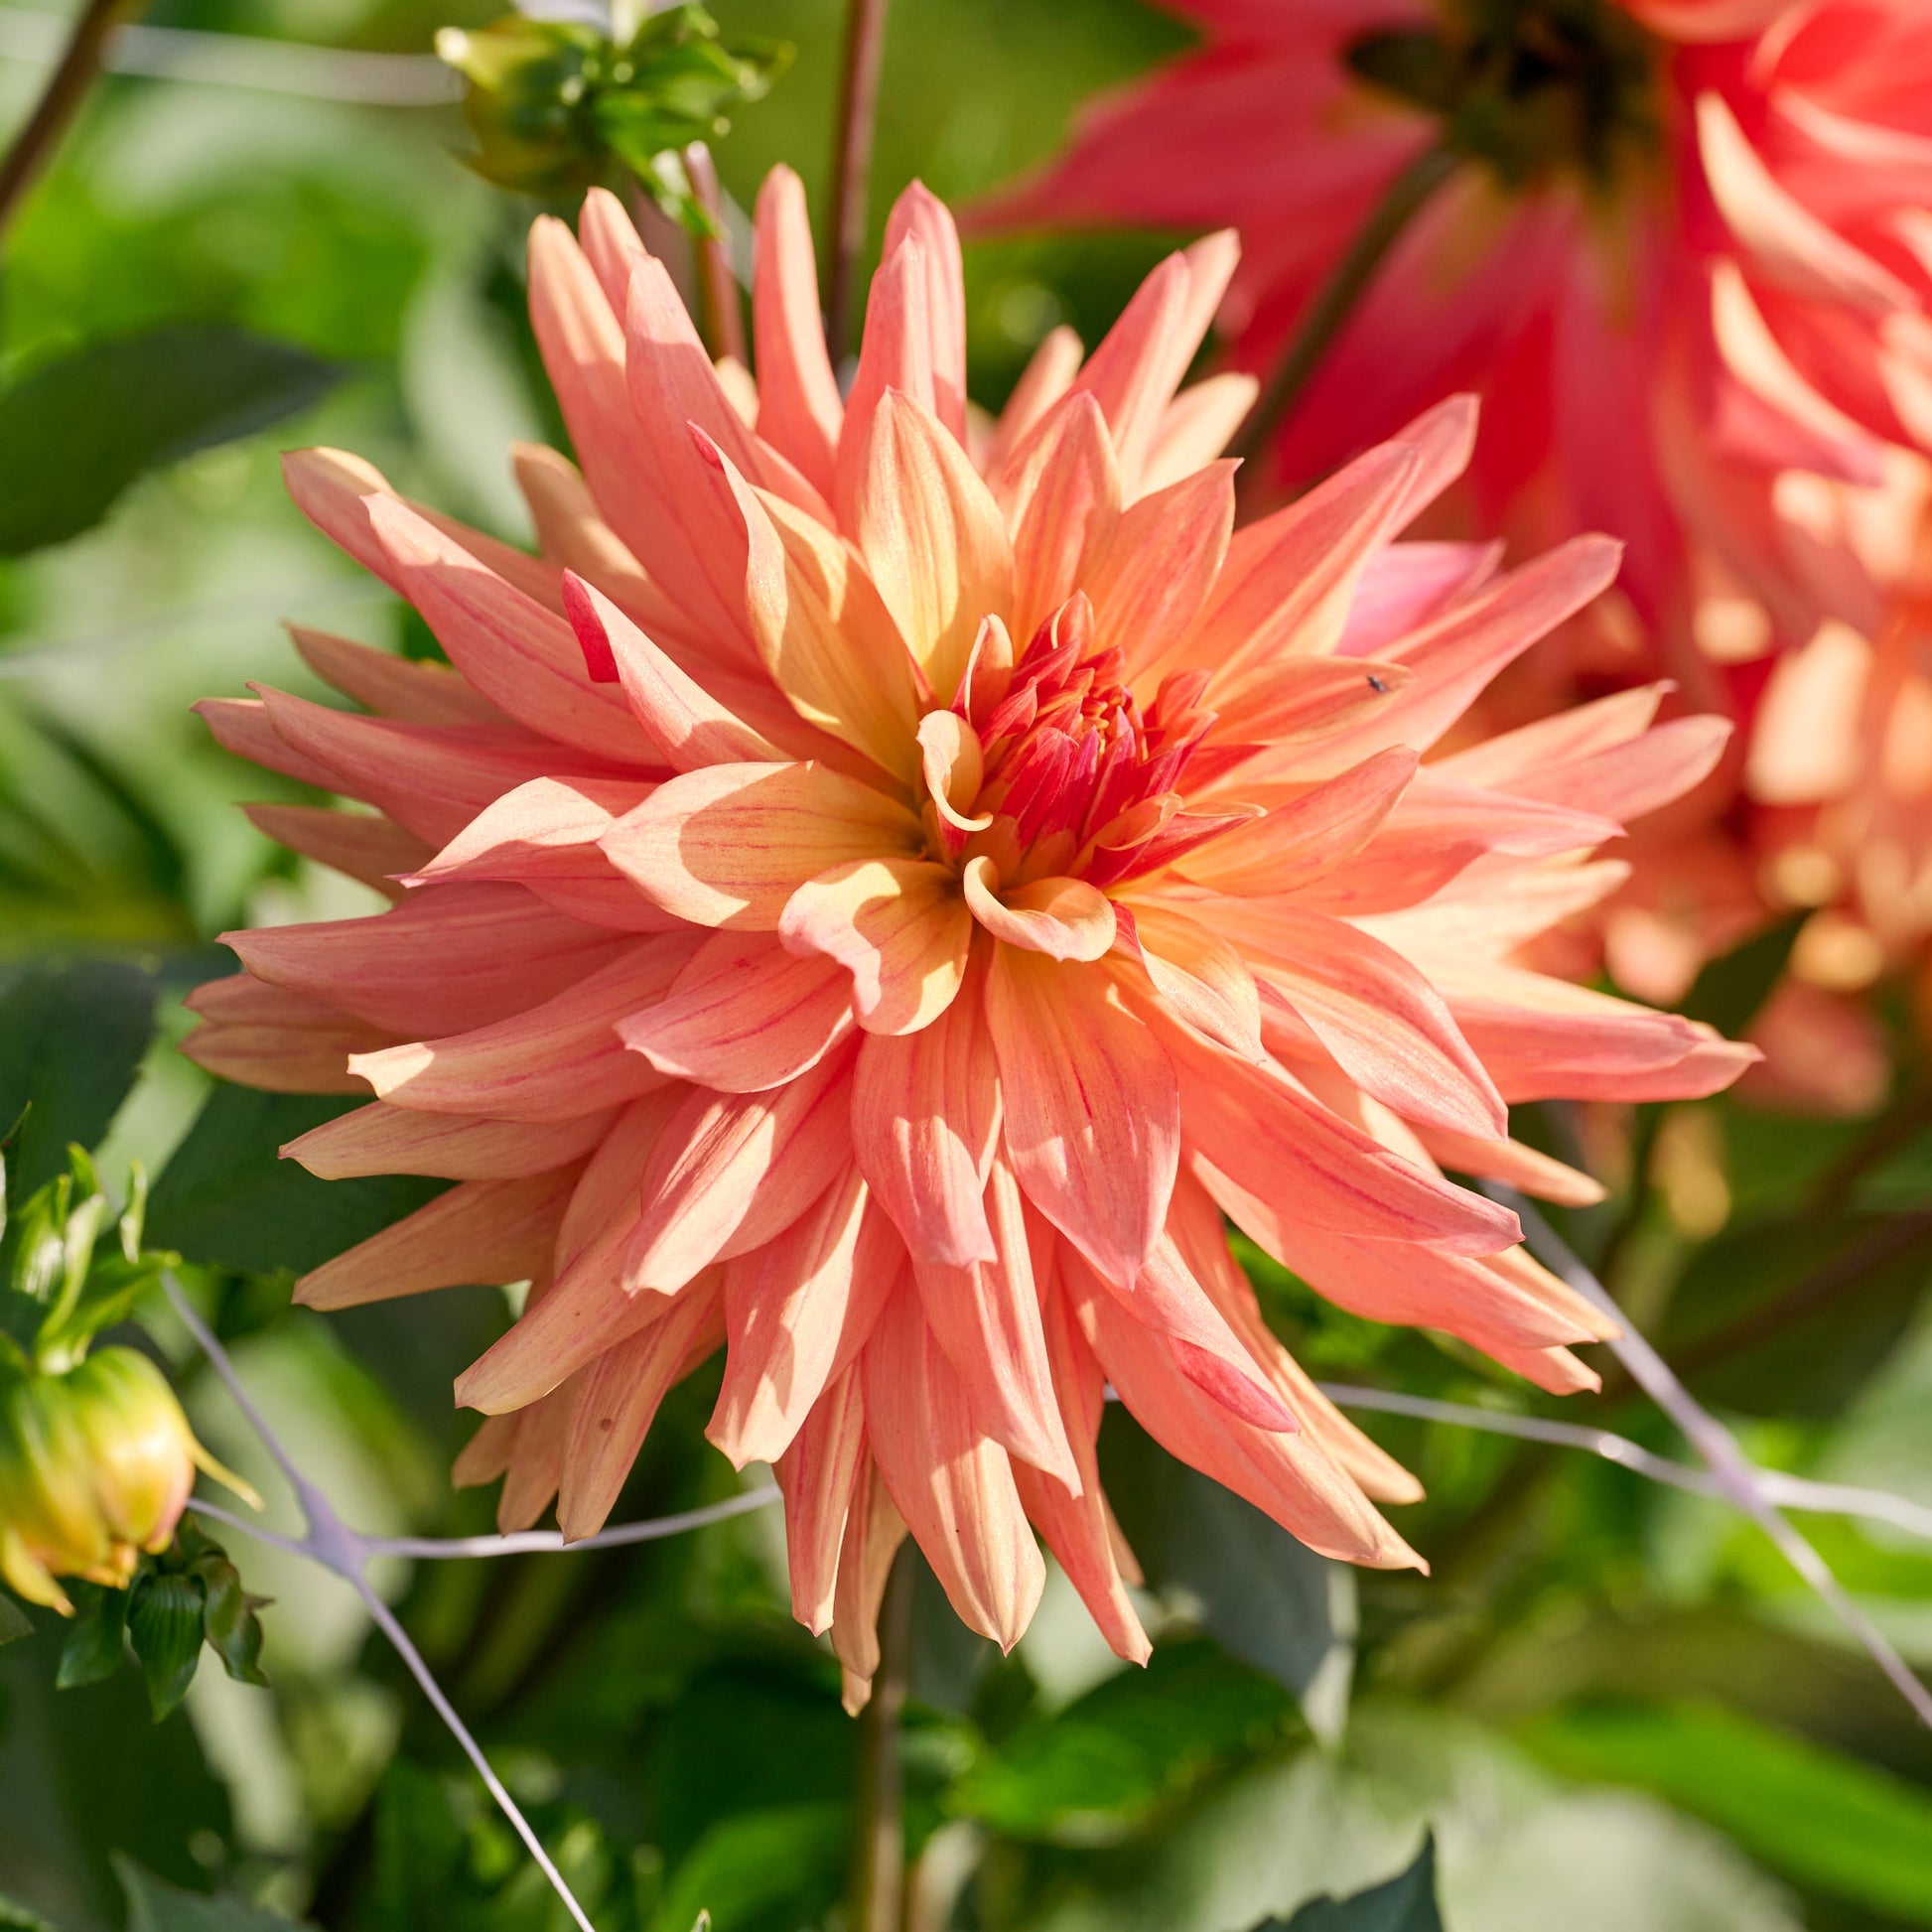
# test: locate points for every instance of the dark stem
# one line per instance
(865, 48)
(670, 242)
(1894, 1238)
(1899, 1124)
(66, 89)
(724, 317)
(878, 1856)
(1623, 1230)
(1408, 194)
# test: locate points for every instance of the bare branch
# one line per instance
(1737, 1478)
(1787, 1491)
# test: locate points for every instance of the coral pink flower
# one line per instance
(1825, 817)
(1688, 247)
(879, 912)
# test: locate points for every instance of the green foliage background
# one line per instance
(1613, 1706)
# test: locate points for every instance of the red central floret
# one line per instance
(1077, 778)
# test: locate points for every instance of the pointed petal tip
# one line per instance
(586, 621)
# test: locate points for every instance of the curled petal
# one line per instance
(899, 927)
(688, 726)
(728, 845)
(1064, 918)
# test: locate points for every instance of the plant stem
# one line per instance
(66, 89)
(1646, 1126)
(1407, 195)
(1892, 1239)
(1894, 1129)
(865, 48)
(878, 1856)
(1737, 1478)
(717, 284)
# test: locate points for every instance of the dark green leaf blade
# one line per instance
(1406, 1903)
(1730, 991)
(163, 1624)
(1269, 1599)
(228, 1198)
(76, 432)
(746, 1865)
(1094, 1773)
(96, 1646)
(1818, 1815)
(156, 1906)
(14, 1623)
(71, 1038)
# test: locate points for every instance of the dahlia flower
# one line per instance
(1688, 241)
(1826, 816)
(884, 885)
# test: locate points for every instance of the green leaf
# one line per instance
(1813, 1814)
(1095, 1771)
(1407, 1903)
(17, 1918)
(163, 1624)
(229, 1199)
(153, 1905)
(76, 432)
(14, 1622)
(1791, 1316)
(229, 1623)
(96, 1646)
(71, 1038)
(1269, 1599)
(1730, 991)
(745, 1866)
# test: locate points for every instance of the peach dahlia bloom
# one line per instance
(1688, 246)
(882, 888)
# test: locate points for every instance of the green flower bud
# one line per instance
(96, 1466)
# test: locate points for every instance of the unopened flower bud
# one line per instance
(96, 1466)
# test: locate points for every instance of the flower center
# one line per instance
(1529, 88)
(1077, 777)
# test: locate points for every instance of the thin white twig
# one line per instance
(331, 1544)
(1738, 1480)
(522, 1543)
(246, 60)
(296, 1547)
(391, 1627)
(1787, 1491)
(204, 1340)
